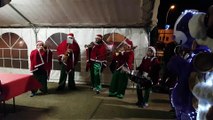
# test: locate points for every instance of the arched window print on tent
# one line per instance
(113, 42)
(13, 51)
(52, 42)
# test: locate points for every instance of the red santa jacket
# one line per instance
(73, 57)
(147, 64)
(98, 54)
(151, 66)
(37, 60)
(124, 58)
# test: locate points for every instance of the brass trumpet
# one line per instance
(67, 55)
(89, 45)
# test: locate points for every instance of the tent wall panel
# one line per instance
(83, 36)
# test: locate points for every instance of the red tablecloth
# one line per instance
(16, 84)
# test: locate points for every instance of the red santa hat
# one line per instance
(70, 38)
(39, 42)
(128, 42)
(70, 35)
(99, 36)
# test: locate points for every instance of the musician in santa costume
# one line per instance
(124, 58)
(149, 69)
(40, 65)
(68, 55)
(98, 61)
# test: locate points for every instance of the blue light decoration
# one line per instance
(167, 27)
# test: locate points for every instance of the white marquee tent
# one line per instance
(31, 20)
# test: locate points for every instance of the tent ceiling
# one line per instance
(79, 13)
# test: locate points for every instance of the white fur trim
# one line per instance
(153, 49)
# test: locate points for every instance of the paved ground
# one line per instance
(84, 104)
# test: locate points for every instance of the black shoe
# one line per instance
(139, 104)
(33, 94)
(97, 92)
(43, 93)
(60, 88)
(72, 88)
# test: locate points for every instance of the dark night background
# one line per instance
(180, 5)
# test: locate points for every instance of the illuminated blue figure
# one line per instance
(181, 66)
(193, 26)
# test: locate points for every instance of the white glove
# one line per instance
(145, 74)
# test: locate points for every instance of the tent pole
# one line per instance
(16, 10)
(25, 18)
(35, 30)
